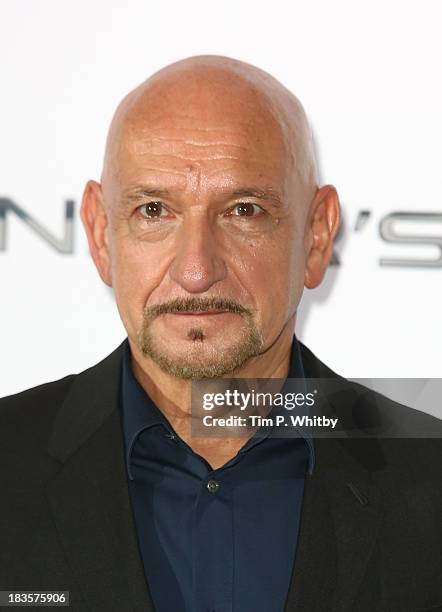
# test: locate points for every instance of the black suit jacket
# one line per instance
(371, 528)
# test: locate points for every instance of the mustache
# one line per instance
(196, 304)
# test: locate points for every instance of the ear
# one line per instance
(94, 218)
(322, 227)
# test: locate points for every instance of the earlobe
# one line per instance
(323, 225)
(94, 219)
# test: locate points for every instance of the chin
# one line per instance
(199, 356)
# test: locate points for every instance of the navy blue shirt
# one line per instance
(212, 540)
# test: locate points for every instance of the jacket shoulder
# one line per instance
(61, 412)
(43, 398)
(26, 420)
(37, 406)
(369, 408)
(379, 430)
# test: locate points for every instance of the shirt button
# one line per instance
(213, 486)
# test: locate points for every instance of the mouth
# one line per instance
(200, 313)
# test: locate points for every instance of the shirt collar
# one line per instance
(139, 412)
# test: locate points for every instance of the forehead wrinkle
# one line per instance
(149, 148)
(195, 143)
(242, 134)
(197, 157)
(182, 148)
(195, 128)
(241, 154)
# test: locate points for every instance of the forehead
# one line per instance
(204, 135)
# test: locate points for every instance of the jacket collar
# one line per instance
(89, 497)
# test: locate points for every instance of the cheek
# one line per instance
(136, 273)
(274, 273)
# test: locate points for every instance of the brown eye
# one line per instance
(152, 210)
(246, 209)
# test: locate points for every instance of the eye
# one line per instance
(153, 210)
(245, 209)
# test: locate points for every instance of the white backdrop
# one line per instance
(369, 76)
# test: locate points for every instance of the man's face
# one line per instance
(205, 233)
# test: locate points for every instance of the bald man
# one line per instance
(207, 223)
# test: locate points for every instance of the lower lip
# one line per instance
(200, 314)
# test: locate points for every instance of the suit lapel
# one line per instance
(339, 525)
(89, 497)
(341, 509)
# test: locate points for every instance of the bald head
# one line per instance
(215, 94)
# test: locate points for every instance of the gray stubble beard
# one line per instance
(249, 344)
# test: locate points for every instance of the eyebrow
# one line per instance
(260, 194)
(145, 191)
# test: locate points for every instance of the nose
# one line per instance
(198, 263)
